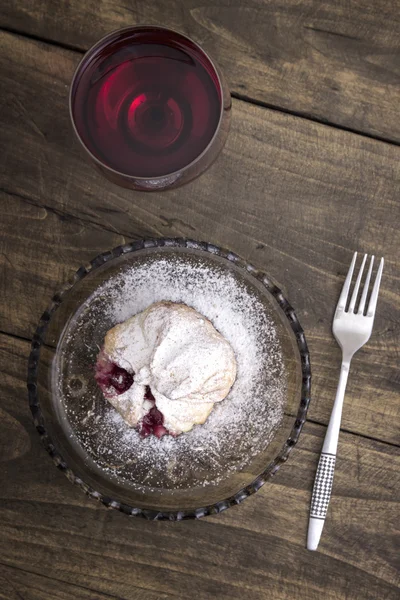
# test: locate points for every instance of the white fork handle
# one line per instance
(326, 466)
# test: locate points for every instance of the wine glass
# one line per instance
(150, 108)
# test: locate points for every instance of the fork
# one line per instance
(352, 330)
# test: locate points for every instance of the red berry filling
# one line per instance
(114, 379)
(153, 421)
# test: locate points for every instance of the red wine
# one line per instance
(147, 102)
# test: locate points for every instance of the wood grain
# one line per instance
(292, 196)
(49, 528)
(332, 61)
(18, 584)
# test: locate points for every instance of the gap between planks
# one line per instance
(315, 422)
(236, 95)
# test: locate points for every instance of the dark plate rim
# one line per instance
(273, 467)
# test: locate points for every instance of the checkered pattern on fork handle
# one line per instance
(323, 486)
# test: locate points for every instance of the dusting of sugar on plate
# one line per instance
(238, 428)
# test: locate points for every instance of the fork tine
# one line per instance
(375, 291)
(366, 286)
(346, 285)
(357, 286)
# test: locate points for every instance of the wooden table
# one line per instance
(310, 173)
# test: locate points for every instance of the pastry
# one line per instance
(165, 368)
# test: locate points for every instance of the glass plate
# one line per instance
(83, 433)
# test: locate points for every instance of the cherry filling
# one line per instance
(114, 379)
(153, 421)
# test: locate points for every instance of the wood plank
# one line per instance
(294, 197)
(17, 584)
(39, 250)
(336, 62)
(50, 528)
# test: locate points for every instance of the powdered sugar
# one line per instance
(237, 429)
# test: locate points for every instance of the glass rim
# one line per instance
(89, 55)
